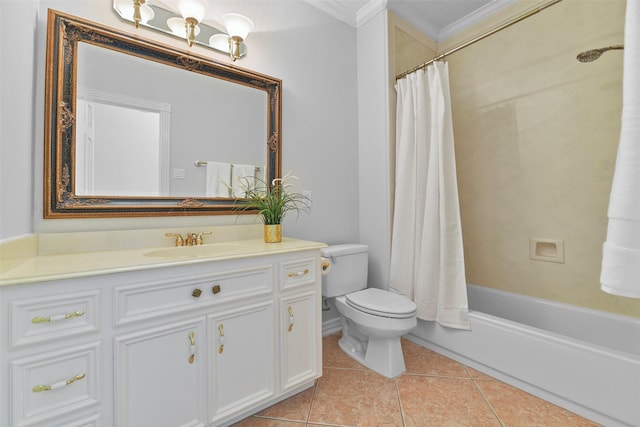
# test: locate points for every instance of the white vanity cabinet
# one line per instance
(300, 322)
(243, 343)
(202, 343)
(52, 355)
(161, 376)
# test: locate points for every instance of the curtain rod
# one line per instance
(480, 37)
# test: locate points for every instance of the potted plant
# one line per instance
(272, 204)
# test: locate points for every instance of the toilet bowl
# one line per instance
(373, 320)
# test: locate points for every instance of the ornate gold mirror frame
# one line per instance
(60, 199)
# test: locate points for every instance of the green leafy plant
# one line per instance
(275, 201)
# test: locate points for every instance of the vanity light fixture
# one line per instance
(193, 12)
(179, 27)
(137, 9)
(238, 27)
(184, 19)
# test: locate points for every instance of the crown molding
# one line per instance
(472, 18)
(368, 11)
(426, 28)
(348, 15)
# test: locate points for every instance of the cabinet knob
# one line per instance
(196, 293)
(216, 289)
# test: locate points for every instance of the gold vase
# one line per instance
(273, 233)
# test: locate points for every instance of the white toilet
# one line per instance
(373, 320)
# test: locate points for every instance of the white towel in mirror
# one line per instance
(218, 179)
(241, 177)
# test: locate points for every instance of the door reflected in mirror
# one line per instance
(141, 128)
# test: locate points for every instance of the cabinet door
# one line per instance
(160, 376)
(301, 357)
(243, 364)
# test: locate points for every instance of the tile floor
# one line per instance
(435, 391)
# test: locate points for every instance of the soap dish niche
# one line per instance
(551, 250)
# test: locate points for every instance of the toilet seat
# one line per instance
(382, 303)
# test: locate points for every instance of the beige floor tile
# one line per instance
(439, 401)
(420, 360)
(514, 407)
(348, 397)
(295, 408)
(435, 391)
(334, 357)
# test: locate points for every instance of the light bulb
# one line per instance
(195, 9)
(237, 25)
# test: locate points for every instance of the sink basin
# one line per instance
(192, 251)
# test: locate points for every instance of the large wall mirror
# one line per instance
(136, 128)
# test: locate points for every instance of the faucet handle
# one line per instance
(179, 239)
(199, 240)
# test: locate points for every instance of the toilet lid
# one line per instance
(382, 303)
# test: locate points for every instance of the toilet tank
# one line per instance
(348, 270)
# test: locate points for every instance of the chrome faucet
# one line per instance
(191, 239)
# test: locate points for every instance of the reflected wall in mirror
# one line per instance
(136, 128)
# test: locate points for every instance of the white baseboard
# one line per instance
(331, 327)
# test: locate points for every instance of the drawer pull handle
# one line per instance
(221, 338)
(290, 309)
(192, 341)
(59, 384)
(216, 289)
(56, 317)
(299, 273)
(196, 293)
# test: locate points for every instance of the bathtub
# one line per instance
(584, 360)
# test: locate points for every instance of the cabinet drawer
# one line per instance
(55, 384)
(298, 272)
(142, 301)
(53, 317)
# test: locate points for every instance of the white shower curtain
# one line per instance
(621, 252)
(427, 261)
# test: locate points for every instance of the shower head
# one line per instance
(592, 55)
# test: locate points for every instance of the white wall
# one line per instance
(17, 77)
(374, 172)
(314, 55)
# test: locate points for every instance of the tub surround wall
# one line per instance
(536, 134)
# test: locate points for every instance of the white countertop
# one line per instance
(32, 268)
